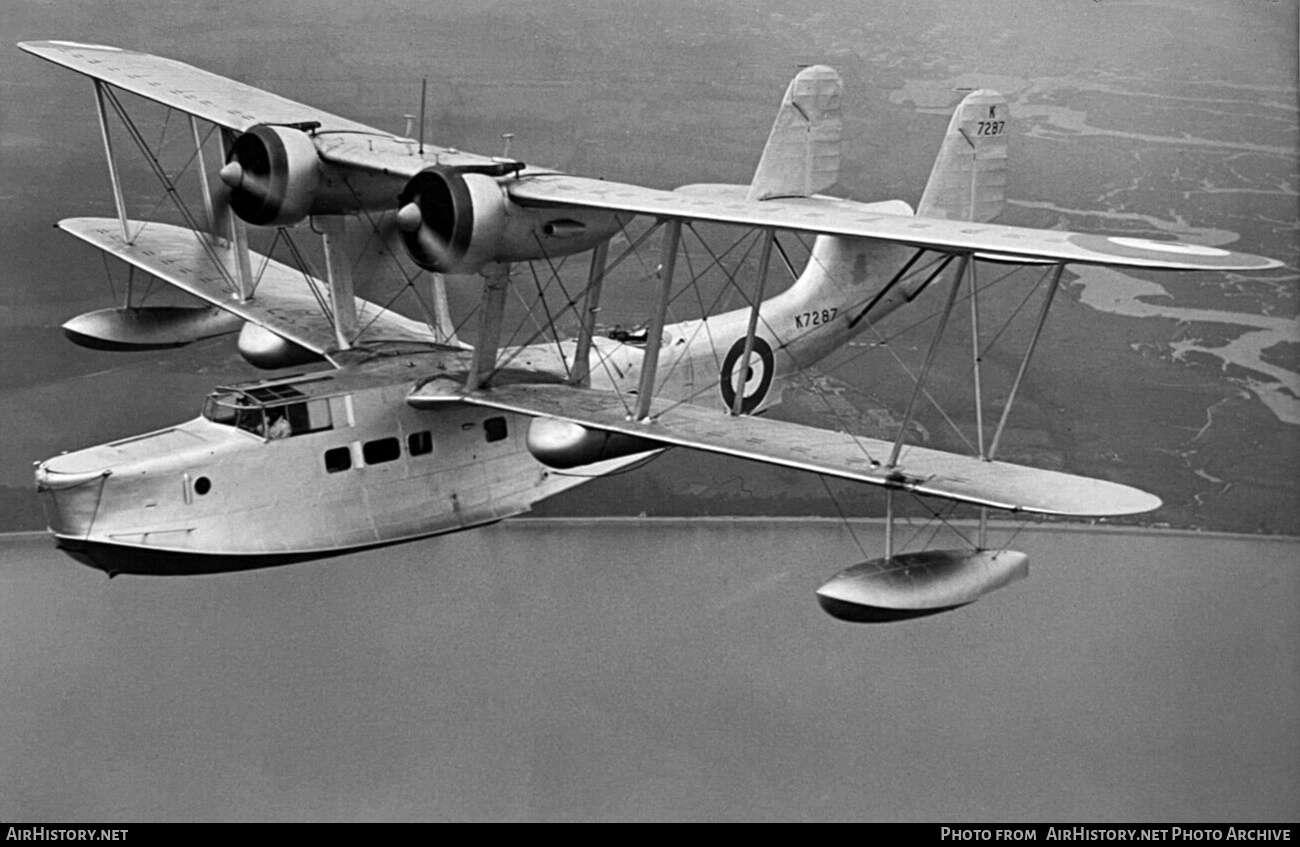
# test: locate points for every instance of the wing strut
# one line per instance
(242, 273)
(581, 373)
(1024, 362)
(112, 163)
(203, 176)
(338, 272)
(496, 279)
(769, 236)
(982, 540)
(104, 94)
(655, 332)
(929, 358)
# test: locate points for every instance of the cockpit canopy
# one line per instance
(269, 411)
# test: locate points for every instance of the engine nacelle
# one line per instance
(264, 349)
(274, 176)
(457, 221)
(560, 444)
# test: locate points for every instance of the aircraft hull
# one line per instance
(116, 559)
(212, 495)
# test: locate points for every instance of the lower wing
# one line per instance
(966, 479)
(285, 300)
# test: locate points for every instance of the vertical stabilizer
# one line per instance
(802, 156)
(969, 177)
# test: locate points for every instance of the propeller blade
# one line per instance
(220, 223)
(434, 247)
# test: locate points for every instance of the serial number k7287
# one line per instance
(814, 318)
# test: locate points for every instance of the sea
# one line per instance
(656, 669)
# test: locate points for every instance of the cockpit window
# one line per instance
(271, 393)
(232, 408)
(260, 413)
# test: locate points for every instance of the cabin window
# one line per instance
(495, 429)
(338, 459)
(202, 485)
(382, 450)
(420, 443)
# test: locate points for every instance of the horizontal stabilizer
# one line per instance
(998, 485)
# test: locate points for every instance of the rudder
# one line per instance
(968, 181)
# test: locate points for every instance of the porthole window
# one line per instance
(382, 450)
(420, 443)
(338, 459)
(202, 485)
(495, 429)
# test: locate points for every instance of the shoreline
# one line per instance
(530, 522)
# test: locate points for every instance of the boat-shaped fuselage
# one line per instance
(288, 469)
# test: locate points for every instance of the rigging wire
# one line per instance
(843, 517)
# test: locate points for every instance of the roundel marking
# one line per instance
(753, 385)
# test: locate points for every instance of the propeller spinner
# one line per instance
(435, 217)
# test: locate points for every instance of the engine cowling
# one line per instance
(274, 176)
(451, 222)
(457, 221)
(264, 349)
(561, 444)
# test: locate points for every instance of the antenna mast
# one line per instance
(424, 92)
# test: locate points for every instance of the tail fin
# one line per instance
(802, 156)
(970, 174)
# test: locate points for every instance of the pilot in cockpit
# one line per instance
(278, 425)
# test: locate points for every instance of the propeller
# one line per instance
(425, 211)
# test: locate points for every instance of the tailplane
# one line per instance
(969, 177)
(802, 156)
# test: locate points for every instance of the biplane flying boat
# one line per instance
(408, 432)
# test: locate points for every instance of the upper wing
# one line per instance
(282, 300)
(234, 105)
(205, 95)
(843, 217)
(998, 485)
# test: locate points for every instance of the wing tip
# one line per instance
(41, 45)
